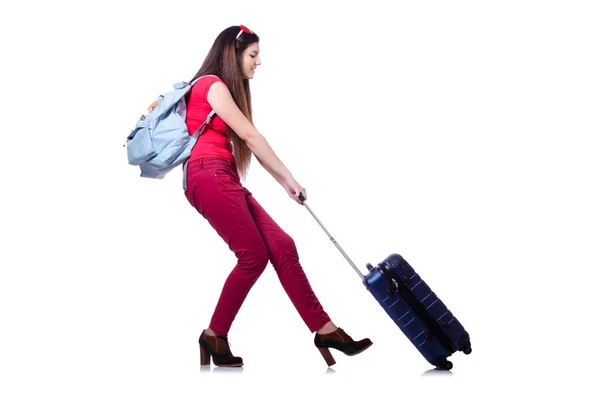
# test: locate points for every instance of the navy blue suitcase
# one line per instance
(423, 318)
(417, 310)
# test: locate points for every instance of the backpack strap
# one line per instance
(198, 132)
(196, 135)
(205, 75)
(212, 112)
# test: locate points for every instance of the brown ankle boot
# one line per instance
(217, 347)
(341, 341)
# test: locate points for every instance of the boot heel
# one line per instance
(204, 356)
(327, 356)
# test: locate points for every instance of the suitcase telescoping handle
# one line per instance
(302, 199)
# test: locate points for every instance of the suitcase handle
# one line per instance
(302, 199)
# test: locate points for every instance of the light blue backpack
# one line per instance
(160, 140)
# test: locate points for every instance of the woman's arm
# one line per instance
(222, 102)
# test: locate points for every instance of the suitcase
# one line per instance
(407, 299)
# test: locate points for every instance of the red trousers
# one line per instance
(214, 189)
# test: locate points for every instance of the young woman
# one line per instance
(219, 159)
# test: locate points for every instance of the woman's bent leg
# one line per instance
(216, 193)
(284, 257)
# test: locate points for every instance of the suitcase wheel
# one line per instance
(464, 345)
(466, 348)
(442, 363)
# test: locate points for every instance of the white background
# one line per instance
(461, 134)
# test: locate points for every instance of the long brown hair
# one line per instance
(224, 60)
